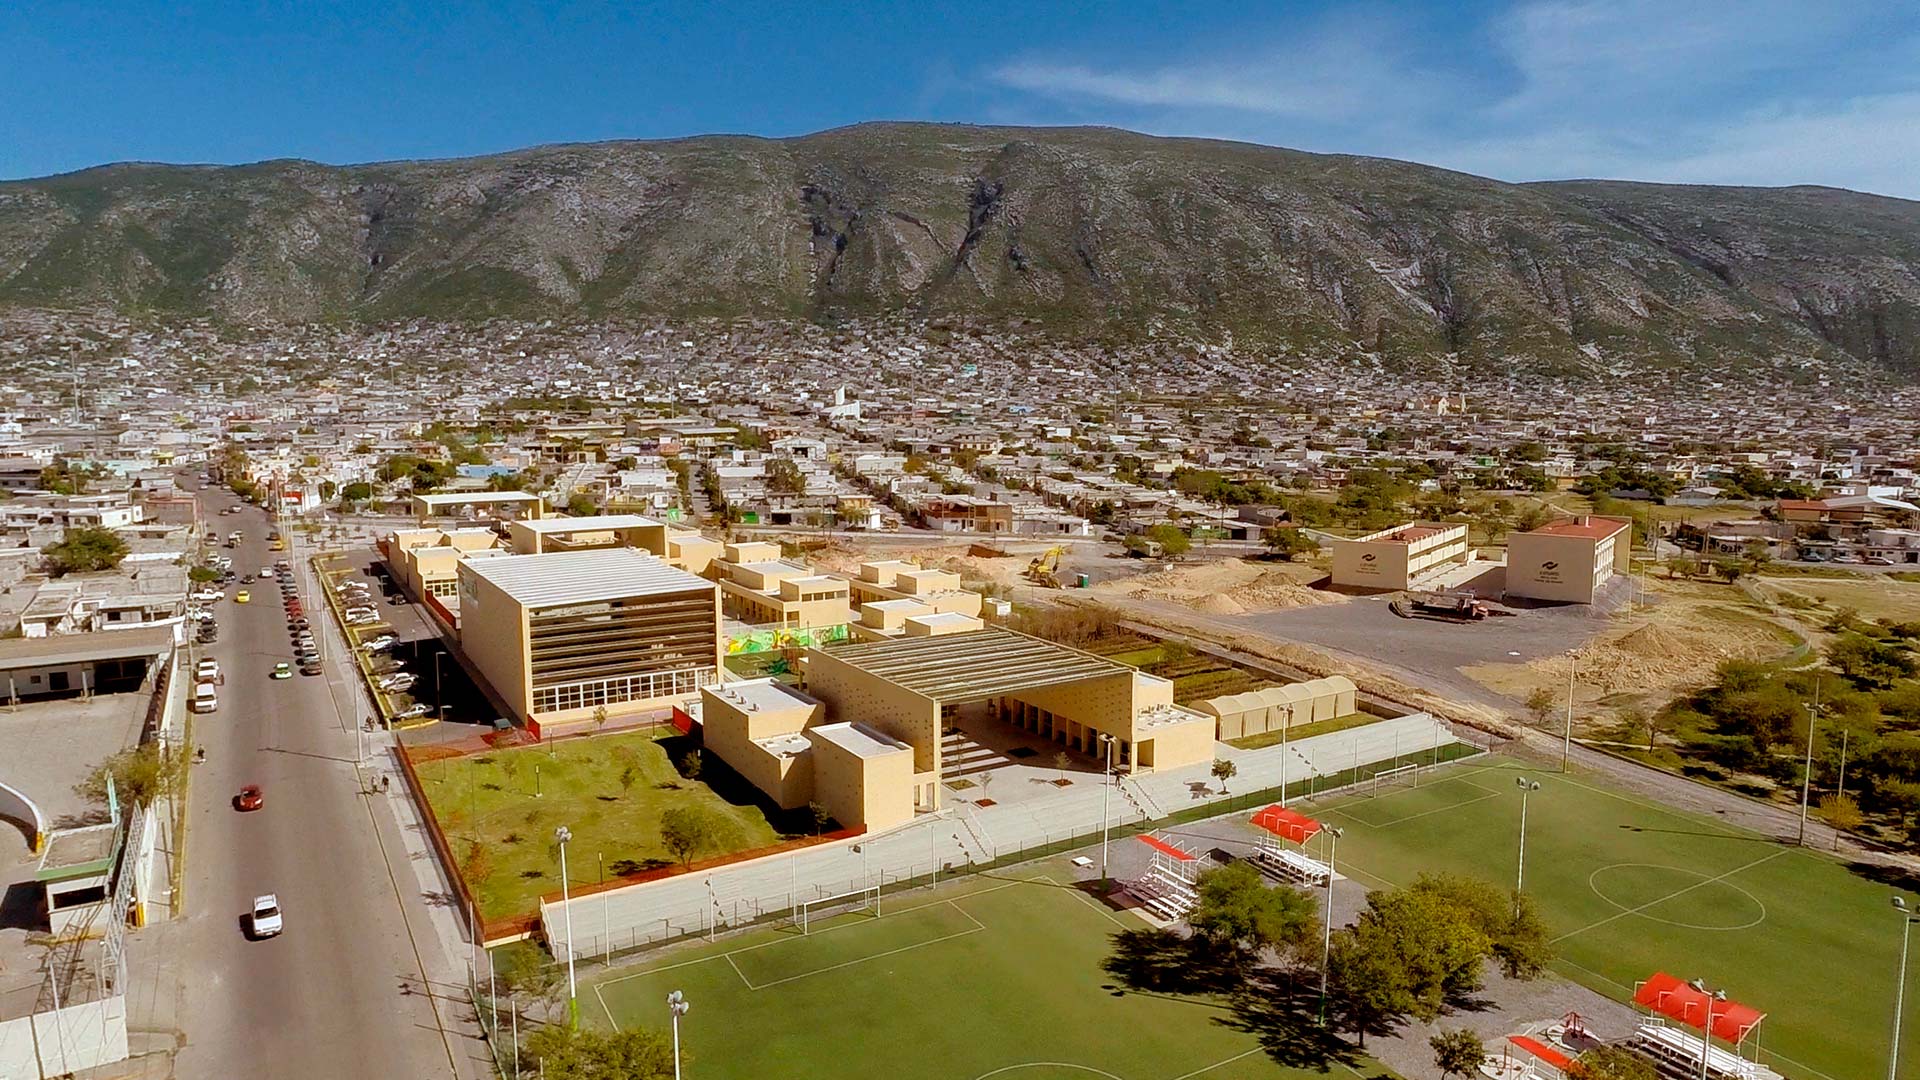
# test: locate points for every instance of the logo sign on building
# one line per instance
(1549, 573)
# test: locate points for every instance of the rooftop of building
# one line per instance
(579, 577)
(860, 740)
(972, 666)
(462, 498)
(593, 523)
(756, 695)
(1591, 528)
(79, 648)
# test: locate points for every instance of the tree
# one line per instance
(1407, 954)
(1235, 907)
(1060, 761)
(1540, 704)
(690, 830)
(141, 774)
(581, 504)
(1288, 542)
(1516, 935)
(1682, 565)
(1223, 771)
(203, 574)
(1874, 665)
(561, 1052)
(1841, 812)
(599, 717)
(1171, 540)
(691, 763)
(85, 549)
(783, 477)
(1728, 569)
(820, 817)
(1458, 1053)
(1612, 1063)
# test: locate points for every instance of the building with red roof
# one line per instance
(1570, 560)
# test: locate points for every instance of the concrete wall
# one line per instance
(874, 791)
(22, 811)
(54, 1043)
(854, 696)
(1567, 569)
(493, 634)
(1174, 746)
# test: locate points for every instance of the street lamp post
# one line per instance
(562, 835)
(1106, 792)
(1527, 787)
(677, 1005)
(1706, 1029)
(1326, 938)
(1900, 988)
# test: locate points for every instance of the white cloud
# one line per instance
(1766, 92)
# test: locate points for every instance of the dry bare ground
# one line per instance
(1225, 587)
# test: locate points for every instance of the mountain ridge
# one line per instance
(1096, 232)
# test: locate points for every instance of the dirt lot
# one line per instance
(1878, 598)
(1226, 586)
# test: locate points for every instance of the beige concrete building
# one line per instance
(1397, 558)
(897, 579)
(778, 739)
(905, 688)
(1276, 708)
(505, 504)
(758, 587)
(562, 634)
(423, 561)
(1569, 560)
(682, 548)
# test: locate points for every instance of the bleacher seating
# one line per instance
(1292, 865)
(1677, 1050)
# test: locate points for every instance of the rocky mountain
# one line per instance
(1097, 232)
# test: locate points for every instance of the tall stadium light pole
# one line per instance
(1806, 780)
(1706, 1030)
(1326, 938)
(677, 1005)
(1106, 791)
(1527, 787)
(562, 835)
(1566, 741)
(1900, 988)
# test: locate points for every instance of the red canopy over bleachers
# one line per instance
(1675, 1000)
(1546, 1054)
(1286, 824)
(1165, 848)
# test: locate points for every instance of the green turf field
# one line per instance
(1631, 888)
(991, 976)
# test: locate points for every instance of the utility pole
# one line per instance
(1806, 780)
(1106, 791)
(1566, 742)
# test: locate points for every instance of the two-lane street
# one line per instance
(341, 992)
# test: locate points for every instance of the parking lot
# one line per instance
(443, 686)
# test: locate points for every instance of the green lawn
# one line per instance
(995, 975)
(1632, 888)
(1302, 731)
(492, 796)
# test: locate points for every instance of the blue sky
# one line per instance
(1753, 92)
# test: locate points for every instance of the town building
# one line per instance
(1569, 561)
(1398, 558)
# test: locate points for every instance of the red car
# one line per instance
(249, 798)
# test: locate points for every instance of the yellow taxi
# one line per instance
(241, 597)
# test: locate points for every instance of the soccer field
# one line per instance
(991, 976)
(1629, 888)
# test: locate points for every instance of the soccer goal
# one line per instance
(864, 901)
(1397, 777)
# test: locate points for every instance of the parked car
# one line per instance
(266, 572)
(397, 681)
(265, 919)
(282, 670)
(311, 666)
(250, 798)
(297, 623)
(208, 596)
(207, 670)
(1876, 560)
(205, 698)
(384, 641)
(417, 709)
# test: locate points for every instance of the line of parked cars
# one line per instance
(306, 650)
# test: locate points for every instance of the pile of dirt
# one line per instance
(1656, 655)
(1222, 587)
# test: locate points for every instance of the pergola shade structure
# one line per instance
(957, 668)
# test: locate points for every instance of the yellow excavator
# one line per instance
(1045, 567)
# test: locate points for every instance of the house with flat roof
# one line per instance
(1398, 558)
(471, 504)
(682, 548)
(782, 742)
(1569, 561)
(561, 635)
(759, 587)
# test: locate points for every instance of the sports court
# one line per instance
(991, 976)
(1631, 888)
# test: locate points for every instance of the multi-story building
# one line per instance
(1399, 557)
(561, 635)
(1569, 561)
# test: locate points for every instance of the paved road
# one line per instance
(342, 992)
